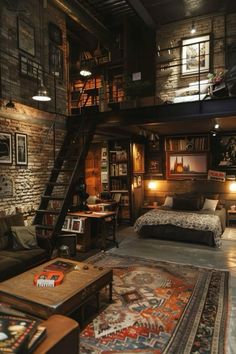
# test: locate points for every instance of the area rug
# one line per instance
(159, 307)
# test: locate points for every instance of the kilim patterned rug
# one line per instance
(159, 307)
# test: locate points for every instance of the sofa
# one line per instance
(20, 248)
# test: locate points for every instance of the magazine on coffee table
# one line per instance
(59, 266)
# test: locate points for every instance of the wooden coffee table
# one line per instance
(77, 288)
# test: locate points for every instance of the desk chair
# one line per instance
(112, 221)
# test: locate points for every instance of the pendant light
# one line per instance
(41, 93)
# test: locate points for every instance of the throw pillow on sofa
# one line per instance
(24, 237)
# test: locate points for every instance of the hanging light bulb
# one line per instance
(41, 94)
(193, 28)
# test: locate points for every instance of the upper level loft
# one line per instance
(201, 68)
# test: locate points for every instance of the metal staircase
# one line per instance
(59, 191)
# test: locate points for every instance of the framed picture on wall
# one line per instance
(154, 165)
(55, 61)
(5, 148)
(55, 33)
(26, 37)
(195, 55)
(224, 152)
(138, 158)
(21, 149)
(186, 165)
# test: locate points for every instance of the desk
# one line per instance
(97, 217)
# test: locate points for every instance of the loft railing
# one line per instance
(198, 69)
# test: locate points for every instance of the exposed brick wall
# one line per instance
(13, 83)
(29, 182)
(222, 30)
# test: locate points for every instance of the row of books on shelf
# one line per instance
(19, 333)
(118, 156)
(183, 144)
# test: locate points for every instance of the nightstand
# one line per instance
(231, 216)
(146, 208)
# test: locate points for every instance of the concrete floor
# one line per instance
(199, 255)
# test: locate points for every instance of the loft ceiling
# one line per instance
(153, 13)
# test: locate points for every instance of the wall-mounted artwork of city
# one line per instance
(186, 165)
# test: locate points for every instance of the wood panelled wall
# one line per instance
(165, 187)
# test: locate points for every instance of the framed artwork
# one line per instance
(29, 68)
(55, 33)
(66, 225)
(138, 158)
(5, 148)
(76, 225)
(122, 169)
(195, 55)
(55, 61)
(21, 149)
(186, 165)
(224, 152)
(26, 37)
(154, 165)
(139, 181)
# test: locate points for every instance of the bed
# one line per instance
(196, 226)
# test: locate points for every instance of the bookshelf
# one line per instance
(119, 176)
(193, 143)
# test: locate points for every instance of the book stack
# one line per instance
(19, 333)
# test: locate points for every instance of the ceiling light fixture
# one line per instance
(193, 28)
(85, 72)
(41, 94)
(216, 126)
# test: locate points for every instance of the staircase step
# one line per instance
(48, 211)
(59, 183)
(63, 169)
(44, 227)
(52, 197)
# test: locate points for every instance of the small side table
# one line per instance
(231, 216)
(146, 208)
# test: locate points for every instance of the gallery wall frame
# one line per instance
(138, 158)
(21, 147)
(29, 68)
(195, 56)
(224, 152)
(5, 148)
(56, 61)
(154, 165)
(55, 33)
(26, 37)
(186, 165)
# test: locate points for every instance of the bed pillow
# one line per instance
(186, 204)
(24, 237)
(168, 201)
(210, 204)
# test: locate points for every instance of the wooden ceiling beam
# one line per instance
(143, 13)
(84, 18)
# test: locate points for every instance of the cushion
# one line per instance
(168, 201)
(210, 204)
(24, 237)
(186, 204)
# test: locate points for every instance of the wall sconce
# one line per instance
(232, 187)
(152, 185)
(193, 28)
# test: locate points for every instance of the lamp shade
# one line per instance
(232, 187)
(42, 94)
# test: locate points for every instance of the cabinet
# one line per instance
(119, 176)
